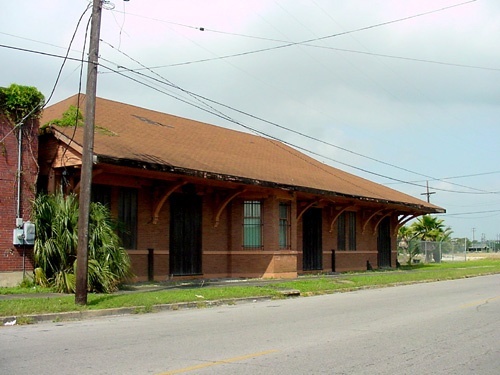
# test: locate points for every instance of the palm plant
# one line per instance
(430, 228)
(56, 220)
(405, 242)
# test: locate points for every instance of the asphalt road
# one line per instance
(449, 327)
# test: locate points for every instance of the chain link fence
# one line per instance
(417, 251)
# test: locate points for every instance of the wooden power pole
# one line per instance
(428, 193)
(87, 157)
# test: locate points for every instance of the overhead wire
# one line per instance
(67, 55)
(296, 132)
(302, 134)
(286, 142)
(165, 81)
(471, 213)
(287, 43)
(309, 41)
(220, 114)
(224, 116)
(262, 133)
(65, 58)
(249, 128)
(79, 88)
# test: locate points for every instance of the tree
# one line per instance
(56, 220)
(20, 102)
(431, 229)
(406, 236)
(428, 229)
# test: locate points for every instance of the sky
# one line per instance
(404, 93)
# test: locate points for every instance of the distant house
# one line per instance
(479, 248)
(197, 200)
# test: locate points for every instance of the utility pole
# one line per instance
(428, 193)
(87, 157)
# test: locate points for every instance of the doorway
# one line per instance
(312, 248)
(185, 234)
(384, 243)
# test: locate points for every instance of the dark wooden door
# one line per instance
(384, 243)
(185, 234)
(312, 249)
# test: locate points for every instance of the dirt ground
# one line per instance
(453, 257)
(483, 255)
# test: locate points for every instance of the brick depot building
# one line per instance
(197, 200)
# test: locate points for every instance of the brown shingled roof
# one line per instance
(143, 137)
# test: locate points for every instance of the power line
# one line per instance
(461, 176)
(42, 53)
(165, 81)
(227, 118)
(79, 89)
(309, 41)
(65, 58)
(472, 213)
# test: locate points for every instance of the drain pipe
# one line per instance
(19, 171)
(19, 161)
(19, 220)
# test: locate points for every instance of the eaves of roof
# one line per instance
(253, 182)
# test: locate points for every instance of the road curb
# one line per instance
(120, 311)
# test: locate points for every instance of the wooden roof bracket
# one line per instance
(224, 204)
(299, 216)
(371, 217)
(406, 218)
(340, 211)
(95, 172)
(163, 199)
(380, 220)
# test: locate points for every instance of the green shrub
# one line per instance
(56, 220)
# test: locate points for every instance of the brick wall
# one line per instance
(222, 231)
(14, 258)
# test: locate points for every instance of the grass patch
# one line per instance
(417, 273)
(144, 301)
(24, 290)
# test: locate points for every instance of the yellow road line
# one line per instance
(216, 363)
(477, 303)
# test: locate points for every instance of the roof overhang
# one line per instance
(138, 164)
